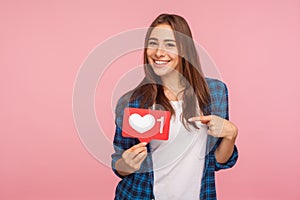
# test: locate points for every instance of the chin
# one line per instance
(161, 71)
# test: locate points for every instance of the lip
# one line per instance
(160, 63)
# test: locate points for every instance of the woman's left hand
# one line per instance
(217, 126)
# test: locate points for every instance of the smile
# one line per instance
(161, 62)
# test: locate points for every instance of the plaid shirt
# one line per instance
(139, 185)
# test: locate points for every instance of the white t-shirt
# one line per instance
(178, 163)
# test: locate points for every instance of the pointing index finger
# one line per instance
(206, 119)
(203, 119)
(192, 119)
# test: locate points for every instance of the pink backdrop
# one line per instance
(255, 45)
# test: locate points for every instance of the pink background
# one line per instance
(255, 45)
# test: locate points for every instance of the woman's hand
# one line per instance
(132, 159)
(217, 126)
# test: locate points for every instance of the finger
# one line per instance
(140, 157)
(205, 119)
(211, 132)
(135, 150)
(214, 133)
(192, 119)
(138, 151)
(142, 144)
(209, 124)
(126, 155)
(132, 152)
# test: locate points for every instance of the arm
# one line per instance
(219, 125)
(128, 154)
(227, 130)
(226, 147)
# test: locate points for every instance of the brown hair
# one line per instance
(196, 91)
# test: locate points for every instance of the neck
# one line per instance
(172, 82)
(172, 86)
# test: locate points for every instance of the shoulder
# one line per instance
(219, 97)
(216, 86)
(126, 101)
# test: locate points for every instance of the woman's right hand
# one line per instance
(132, 159)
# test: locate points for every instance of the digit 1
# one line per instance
(161, 120)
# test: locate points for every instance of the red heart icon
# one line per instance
(146, 124)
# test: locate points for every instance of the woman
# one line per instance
(174, 80)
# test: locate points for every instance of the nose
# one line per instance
(160, 52)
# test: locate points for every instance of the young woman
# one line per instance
(199, 107)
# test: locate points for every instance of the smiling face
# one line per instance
(162, 51)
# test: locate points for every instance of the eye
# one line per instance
(170, 45)
(152, 43)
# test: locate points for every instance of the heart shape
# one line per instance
(141, 124)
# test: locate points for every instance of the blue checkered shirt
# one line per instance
(139, 185)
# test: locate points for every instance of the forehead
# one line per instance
(162, 31)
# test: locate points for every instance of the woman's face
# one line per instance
(162, 51)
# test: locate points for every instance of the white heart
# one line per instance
(141, 124)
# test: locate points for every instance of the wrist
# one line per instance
(123, 168)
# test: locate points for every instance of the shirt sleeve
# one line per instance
(230, 163)
(220, 108)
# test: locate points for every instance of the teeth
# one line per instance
(159, 62)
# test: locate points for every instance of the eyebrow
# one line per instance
(166, 40)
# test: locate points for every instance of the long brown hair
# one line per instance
(196, 91)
